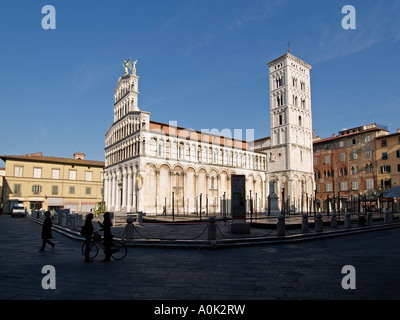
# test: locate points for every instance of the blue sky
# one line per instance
(201, 63)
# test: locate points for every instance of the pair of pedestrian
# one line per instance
(107, 239)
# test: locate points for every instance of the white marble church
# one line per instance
(151, 165)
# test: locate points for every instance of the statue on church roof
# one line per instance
(128, 64)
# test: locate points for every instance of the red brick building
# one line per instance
(345, 165)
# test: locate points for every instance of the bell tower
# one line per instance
(291, 152)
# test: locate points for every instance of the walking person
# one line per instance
(108, 237)
(87, 233)
(46, 231)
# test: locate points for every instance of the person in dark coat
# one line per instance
(88, 227)
(46, 231)
(108, 237)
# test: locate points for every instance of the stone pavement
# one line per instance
(305, 270)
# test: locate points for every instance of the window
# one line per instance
(384, 143)
(398, 167)
(384, 156)
(72, 174)
(17, 188)
(279, 100)
(88, 190)
(326, 160)
(315, 161)
(88, 175)
(385, 169)
(54, 190)
(354, 155)
(37, 173)
(36, 189)
(279, 82)
(342, 157)
(280, 120)
(72, 190)
(18, 171)
(55, 173)
(369, 184)
(352, 142)
(398, 153)
(368, 153)
(341, 144)
(386, 184)
(354, 185)
(368, 138)
(343, 186)
(328, 187)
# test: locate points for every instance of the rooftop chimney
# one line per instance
(80, 156)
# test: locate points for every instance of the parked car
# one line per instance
(18, 210)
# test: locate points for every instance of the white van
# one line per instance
(18, 210)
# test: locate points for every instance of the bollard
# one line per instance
(361, 220)
(319, 223)
(79, 223)
(63, 219)
(280, 227)
(55, 218)
(304, 223)
(347, 220)
(129, 230)
(334, 220)
(212, 230)
(74, 221)
(370, 220)
(387, 217)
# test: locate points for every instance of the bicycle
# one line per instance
(118, 248)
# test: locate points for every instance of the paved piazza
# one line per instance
(308, 270)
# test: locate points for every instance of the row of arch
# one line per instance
(199, 153)
(149, 189)
(124, 87)
(189, 189)
(124, 129)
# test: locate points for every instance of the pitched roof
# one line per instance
(37, 158)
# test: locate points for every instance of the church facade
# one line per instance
(161, 167)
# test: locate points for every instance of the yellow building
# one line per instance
(388, 160)
(48, 183)
(2, 173)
